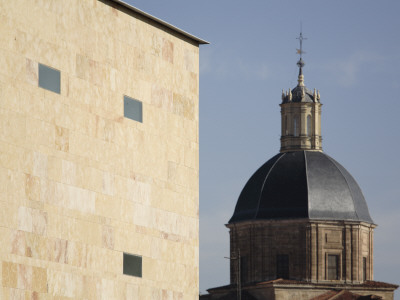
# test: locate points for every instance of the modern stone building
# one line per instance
(99, 144)
(301, 228)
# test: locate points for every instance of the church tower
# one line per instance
(301, 226)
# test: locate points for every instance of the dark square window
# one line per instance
(49, 79)
(133, 109)
(132, 265)
(333, 267)
(282, 266)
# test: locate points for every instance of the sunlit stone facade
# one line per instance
(80, 184)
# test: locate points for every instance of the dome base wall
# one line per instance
(302, 250)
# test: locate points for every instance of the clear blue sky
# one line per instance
(353, 58)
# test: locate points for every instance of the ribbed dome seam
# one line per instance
(348, 186)
(262, 187)
(308, 189)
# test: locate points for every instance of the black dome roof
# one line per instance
(297, 95)
(301, 184)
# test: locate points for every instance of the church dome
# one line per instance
(301, 184)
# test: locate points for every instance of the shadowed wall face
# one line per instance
(324, 251)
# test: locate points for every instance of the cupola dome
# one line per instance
(301, 184)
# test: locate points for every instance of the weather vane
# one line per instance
(300, 51)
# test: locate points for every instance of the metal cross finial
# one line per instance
(301, 38)
(300, 51)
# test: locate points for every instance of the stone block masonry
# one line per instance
(80, 185)
(307, 245)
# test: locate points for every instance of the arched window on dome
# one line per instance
(296, 126)
(286, 126)
(309, 130)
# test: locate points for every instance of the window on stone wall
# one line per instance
(364, 268)
(282, 266)
(133, 109)
(286, 126)
(132, 265)
(333, 267)
(49, 79)
(309, 131)
(296, 126)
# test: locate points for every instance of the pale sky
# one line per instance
(352, 57)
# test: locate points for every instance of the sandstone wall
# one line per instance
(79, 183)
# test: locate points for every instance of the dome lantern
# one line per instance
(301, 115)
